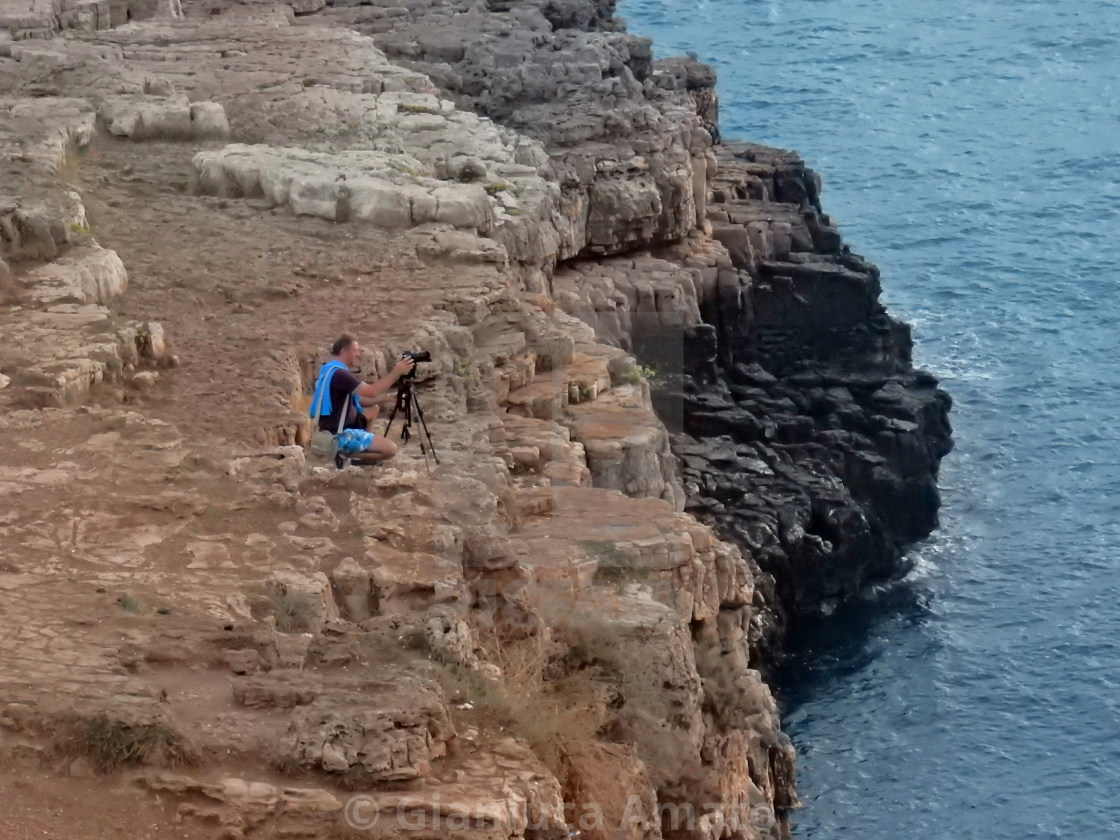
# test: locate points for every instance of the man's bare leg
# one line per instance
(382, 450)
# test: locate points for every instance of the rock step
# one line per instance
(39, 229)
(512, 373)
(550, 392)
(41, 19)
(56, 357)
(491, 788)
(402, 568)
(622, 442)
(577, 538)
(163, 118)
(87, 274)
(627, 447)
(544, 400)
(542, 452)
(58, 339)
(627, 299)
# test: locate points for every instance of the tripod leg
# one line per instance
(392, 414)
(396, 407)
(424, 433)
(406, 428)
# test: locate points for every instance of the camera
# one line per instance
(418, 357)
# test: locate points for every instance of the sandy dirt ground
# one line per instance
(241, 289)
(62, 809)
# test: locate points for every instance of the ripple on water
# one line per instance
(969, 148)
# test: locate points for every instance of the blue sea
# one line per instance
(972, 150)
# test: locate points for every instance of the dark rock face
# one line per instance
(804, 432)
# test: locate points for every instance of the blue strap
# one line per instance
(321, 400)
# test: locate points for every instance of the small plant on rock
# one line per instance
(397, 166)
(294, 611)
(639, 374)
(285, 764)
(143, 342)
(462, 369)
(496, 187)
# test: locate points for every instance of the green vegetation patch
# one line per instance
(614, 565)
(640, 373)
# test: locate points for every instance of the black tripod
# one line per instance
(405, 404)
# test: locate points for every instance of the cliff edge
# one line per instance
(669, 416)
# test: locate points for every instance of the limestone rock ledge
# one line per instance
(58, 336)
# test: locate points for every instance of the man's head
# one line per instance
(347, 350)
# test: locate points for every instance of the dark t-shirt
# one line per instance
(343, 384)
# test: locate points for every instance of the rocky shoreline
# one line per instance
(671, 413)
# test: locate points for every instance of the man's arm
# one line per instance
(384, 399)
(381, 386)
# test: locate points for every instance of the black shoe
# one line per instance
(339, 461)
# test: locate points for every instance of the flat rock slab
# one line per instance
(359, 186)
(582, 539)
(83, 275)
(164, 118)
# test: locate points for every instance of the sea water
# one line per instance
(972, 150)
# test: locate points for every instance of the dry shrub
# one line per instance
(110, 743)
(538, 699)
(641, 706)
(294, 611)
(585, 709)
(601, 782)
(543, 301)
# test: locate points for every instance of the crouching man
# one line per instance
(338, 390)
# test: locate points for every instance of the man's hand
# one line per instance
(403, 366)
(369, 391)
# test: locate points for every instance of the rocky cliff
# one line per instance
(669, 412)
